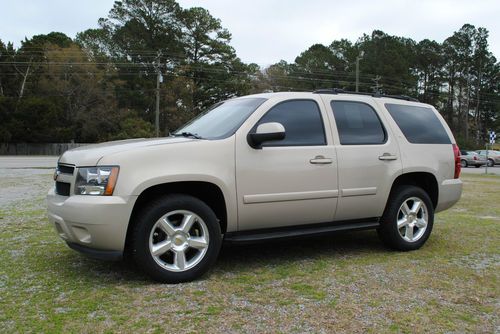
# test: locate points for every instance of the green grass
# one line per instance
(343, 283)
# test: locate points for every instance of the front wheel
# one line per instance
(463, 163)
(407, 220)
(490, 163)
(176, 238)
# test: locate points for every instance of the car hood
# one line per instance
(91, 154)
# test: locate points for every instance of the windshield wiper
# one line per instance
(187, 134)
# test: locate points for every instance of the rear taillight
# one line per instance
(456, 153)
(475, 158)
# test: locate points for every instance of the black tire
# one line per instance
(490, 163)
(388, 230)
(463, 163)
(150, 215)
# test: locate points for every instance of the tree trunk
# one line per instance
(23, 84)
(426, 83)
(451, 92)
(460, 111)
(478, 101)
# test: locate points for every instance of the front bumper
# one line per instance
(449, 194)
(106, 255)
(91, 224)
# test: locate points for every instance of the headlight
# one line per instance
(96, 180)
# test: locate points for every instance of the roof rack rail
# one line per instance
(341, 91)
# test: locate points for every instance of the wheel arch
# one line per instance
(426, 181)
(208, 192)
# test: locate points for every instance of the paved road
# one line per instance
(18, 161)
(481, 170)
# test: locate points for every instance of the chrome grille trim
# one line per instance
(64, 177)
(66, 169)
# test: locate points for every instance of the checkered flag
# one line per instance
(493, 137)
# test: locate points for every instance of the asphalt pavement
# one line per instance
(481, 170)
(21, 161)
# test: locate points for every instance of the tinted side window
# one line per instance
(357, 123)
(302, 121)
(419, 124)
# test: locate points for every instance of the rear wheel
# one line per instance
(491, 163)
(408, 219)
(176, 238)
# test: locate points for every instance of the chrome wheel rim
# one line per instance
(179, 240)
(413, 218)
(463, 163)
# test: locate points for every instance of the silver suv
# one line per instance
(256, 168)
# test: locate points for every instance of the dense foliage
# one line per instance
(102, 85)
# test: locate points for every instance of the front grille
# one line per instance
(62, 188)
(65, 169)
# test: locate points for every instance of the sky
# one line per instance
(266, 31)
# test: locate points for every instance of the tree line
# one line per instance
(101, 85)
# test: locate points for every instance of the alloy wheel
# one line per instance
(412, 219)
(179, 240)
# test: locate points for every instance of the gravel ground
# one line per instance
(19, 184)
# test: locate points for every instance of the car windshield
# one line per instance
(221, 120)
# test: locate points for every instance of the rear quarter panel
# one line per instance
(437, 159)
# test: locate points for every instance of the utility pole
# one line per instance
(358, 58)
(157, 116)
(158, 79)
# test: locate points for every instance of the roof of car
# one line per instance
(354, 95)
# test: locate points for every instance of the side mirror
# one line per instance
(266, 132)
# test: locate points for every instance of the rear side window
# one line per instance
(419, 124)
(357, 123)
(302, 121)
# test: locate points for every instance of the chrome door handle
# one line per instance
(387, 156)
(320, 160)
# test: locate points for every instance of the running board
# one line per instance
(297, 232)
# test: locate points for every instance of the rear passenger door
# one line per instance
(368, 157)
